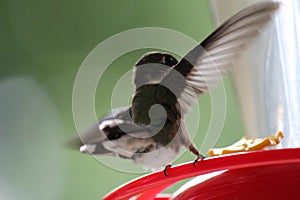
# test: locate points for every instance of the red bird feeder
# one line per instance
(265, 174)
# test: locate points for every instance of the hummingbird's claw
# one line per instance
(199, 157)
(165, 170)
(194, 150)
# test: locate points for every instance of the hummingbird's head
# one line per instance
(157, 57)
(152, 67)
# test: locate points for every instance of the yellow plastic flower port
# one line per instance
(248, 144)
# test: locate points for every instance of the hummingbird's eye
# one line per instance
(170, 61)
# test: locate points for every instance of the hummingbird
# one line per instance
(151, 132)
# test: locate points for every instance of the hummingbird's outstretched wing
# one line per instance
(205, 65)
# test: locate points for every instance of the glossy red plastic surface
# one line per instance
(265, 182)
(150, 185)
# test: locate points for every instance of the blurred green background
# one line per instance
(43, 44)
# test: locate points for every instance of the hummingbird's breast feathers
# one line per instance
(158, 158)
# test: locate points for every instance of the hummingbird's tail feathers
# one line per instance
(95, 149)
(206, 64)
(92, 148)
(107, 136)
(96, 133)
(92, 135)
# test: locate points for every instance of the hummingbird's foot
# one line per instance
(194, 150)
(199, 157)
(165, 170)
